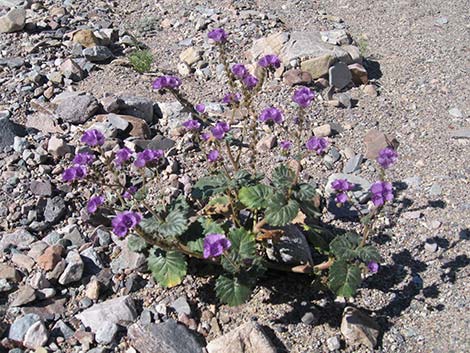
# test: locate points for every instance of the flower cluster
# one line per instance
(220, 129)
(94, 203)
(125, 221)
(213, 156)
(387, 157)
(215, 245)
(75, 172)
(93, 138)
(84, 158)
(286, 145)
(342, 186)
(270, 61)
(147, 156)
(271, 114)
(250, 81)
(303, 97)
(169, 82)
(231, 98)
(382, 192)
(240, 71)
(191, 124)
(317, 144)
(122, 156)
(218, 35)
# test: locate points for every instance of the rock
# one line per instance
(354, 53)
(86, 38)
(358, 328)
(106, 333)
(55, 209)
(266, 143)
(181, 306)
(292, 248)
(98, 54)
(297, 77)
(322, 130)
(333, 343)
(139, 107)
(57, 147)
(435, 190)
(370, 90)
(336, 37)
(12, 63)
(41, 188)
(71, 70)
(376, 141)
(112, 104)
(43, 122)
(271, 44)
(248, 338)
(36, 336)
(8, 132)
(430, 246)
(76, 108)
(441, 21)
(9, 273)
(309, 318)
(50, 258)
(136, 127)
(92, 261)
(340, 76)
(38, 281)
(456, 113)
(93, 289)
(127, 259)
(74, 270)
(57, 271)
(62, 329)
(13, 21)
(20, 239)
(165, 337)
(318, 67)
(353, 164)
(23, 261)
(359, 74)
(304, 45)
(21, 325)
(23, 296)
(118, 311)
(190, 56)
(462, 133)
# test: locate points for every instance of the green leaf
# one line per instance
(283, 177)
(309, 209)
(174, 225)
(168, 268)
(243, 248)
(210, 226)
(344, 246)
(280, 212)
(136, 243)
(196, 246)
(141, 60)
(368, 253)
(304, 192)
(141, 194)
(209, 185)
(219, 200)
(255, 197)
(232, 291)
(344, 278)
(244, 178)
(150, 225)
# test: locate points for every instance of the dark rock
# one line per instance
(292, 248)
(21, 325)
(76, 108)
(340, 76)
(8, 131)
(55, 210)
(98, 54)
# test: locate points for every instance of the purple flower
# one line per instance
(122, 155)
(219, 130)
(250, 81)
(271, 114)
(381, 192)
(213, 156)
(373, 266)
(215, 244)
(192, 124)
(218, 35)
(163, 82)
(387, 157)
(84, 158)
(93, 138)
(239, 71)
(125, 221)
(74, 173)
(341, 186)
(129, 192)
(270, 61)
(147, 156)
(206, 136)
(286, 145)
(231, 98)
(200, 108)
(303, 96)
(94, 203)
(317, 144)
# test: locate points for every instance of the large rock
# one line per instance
(358, 328)
(55, 209)
(248, 338)
(75, 107)
(376, 140)
(319, 66)
(13, 21)
(21, 325)
(86, 38)
(292, 248)
(98, 54)
(74, 270)
(165, 337)
(118, 311)
(20, 239)
(36, 336)
(8, 132)
(139, 107)
(23, 296)
(134, 126)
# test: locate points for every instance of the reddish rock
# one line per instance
(375, 141)
(50, 258)
(297, 77)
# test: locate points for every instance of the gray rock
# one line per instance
(21, 325)
(92, 261)
(358, 328)
(41, 188)
(127, 259)
(71, 70)
(117, 122)
(292, 248)
(12, 63)
(23, 296)
(139, 107)
(336, 37)
(36, 336)
(340, 76)
(435, 190)
(98, 54)
(55, 209)
(74, 270)
(333, 343)
(8, 132)
(20, 239)
(76, 108)
(353, 164)
(442, 21)
(309, 318)
(462, 133)
(181, 306)
(165, 337)
(73, 235)
(106, 333)
(430, 247)
(248, 338)
(13, 21)
(157, 143)
(118, 311)
(456, 113)
(62, 329)
(5, 286)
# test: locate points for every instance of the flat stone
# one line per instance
(106, 333)
(358, 328)
(92, 261)
(135, 126)
(36, 336)
(71, 70)
(98, 54)
(165, 337)
(462, 133)
(333, 343)
(294, 77)
(76, 108)
(359, 74)
(38, 281)
(57, 146)
(20, 239)
(181, 306)
(353, 164)
(370, 90)
(354, 53)
(319, 66)
(43, 122)
(322, 130)
(21, 325)
(13, 21)
(112, 104)
(23, 296)
(86, 38)
(190, 56)
(376, 141)
(118, 311)
(292, 248)
(74, 270)
(456, 113)
(139, 107)
(9, 273)
(12, 62)
(55, 209)
(8, 131)
(62, 329)
(266, 143)
(41, 188)
(336, 37)
(47, 309)
(23, 261)
(340, 76)
(248, 338)
(51, 257)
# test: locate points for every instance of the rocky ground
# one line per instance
(67, 286)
